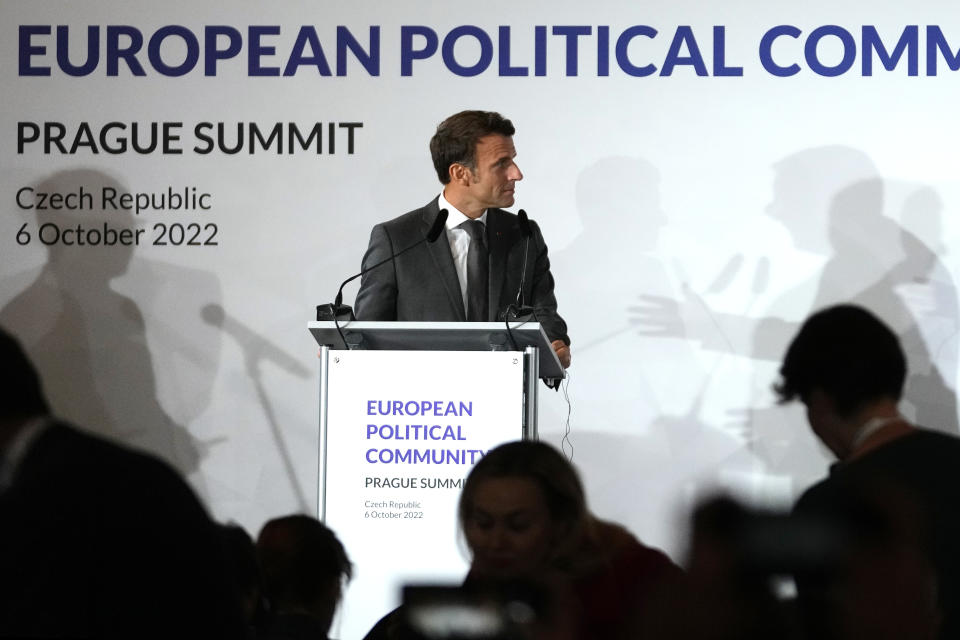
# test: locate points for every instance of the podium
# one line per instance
(406, 409)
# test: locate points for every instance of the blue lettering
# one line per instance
(156, 42)
(720, 68)
(298, 58)
(466, 408)
(936, 42)
(849, 51)
(63, 51)
(257, 50)
(369, 60)
(212, 53)
(766, 57)
(129, 53)
(408, 54)
(909, 41)
(603, 51)
(505, 68)
(683, 36)
(572, 34)
(623, 44)
(540, 50)
(486, 50)
(28, 49)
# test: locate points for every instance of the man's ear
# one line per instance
(460, 174)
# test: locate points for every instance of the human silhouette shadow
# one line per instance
(831, 200)
(623, 382)
(89, 340)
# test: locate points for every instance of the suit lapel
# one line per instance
(501, 236)
(443, 260)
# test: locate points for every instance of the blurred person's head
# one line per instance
(523, 510)
(304, 567)
(21, 393)
(843, 361)
(848, 353)
(241, 557)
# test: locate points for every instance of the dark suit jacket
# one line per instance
(917, 470)
(100, 541)
(422, 284)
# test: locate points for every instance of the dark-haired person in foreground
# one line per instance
(474, 271)
(304, 568)
(96, 540)
(243, 569)
(893, 481)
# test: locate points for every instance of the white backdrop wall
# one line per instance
(693, 220)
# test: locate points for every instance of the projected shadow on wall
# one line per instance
(89, 340)
(832, 201)
(258, 350)
(605, 267)
(636, 398)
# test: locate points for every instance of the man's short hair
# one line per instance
(849, 354)
(456, 139)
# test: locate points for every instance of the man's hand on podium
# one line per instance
(563, 352)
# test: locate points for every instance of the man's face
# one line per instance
(492, 183)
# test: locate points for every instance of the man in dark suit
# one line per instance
(97, 540)
(483, 264)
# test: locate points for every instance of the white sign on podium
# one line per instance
(403, 429)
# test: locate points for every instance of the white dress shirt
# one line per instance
(459, 241)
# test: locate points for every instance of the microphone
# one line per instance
(337, 309)
(519, 309)
(255, 346)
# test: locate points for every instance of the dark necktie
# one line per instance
(477, 266)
